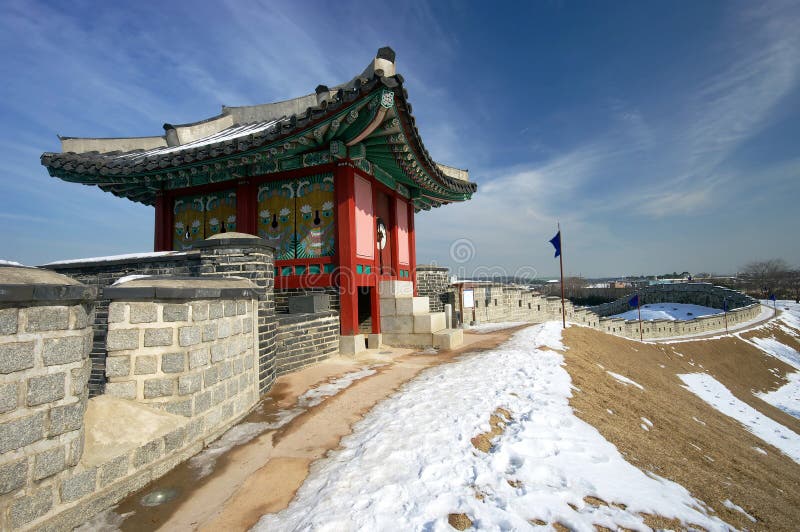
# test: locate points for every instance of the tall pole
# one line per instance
(639, 309)
(561, 263)
(726, 322)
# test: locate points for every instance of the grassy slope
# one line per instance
(715, 460)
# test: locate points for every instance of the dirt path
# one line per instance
(263, 475)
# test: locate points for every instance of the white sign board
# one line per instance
(468, 298)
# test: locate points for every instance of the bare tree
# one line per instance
(767, 276)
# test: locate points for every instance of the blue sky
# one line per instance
(662, 135)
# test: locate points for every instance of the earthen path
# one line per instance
(262, 476)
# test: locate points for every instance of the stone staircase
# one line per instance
(406, 320)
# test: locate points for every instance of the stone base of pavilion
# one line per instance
(406, 321)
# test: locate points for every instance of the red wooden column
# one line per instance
(344, 183)
(375, 303)
(162, 240)
(395, 238)
(412, 246)
(245, 208)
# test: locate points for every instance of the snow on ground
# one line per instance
(717, 395)
(730, 505)
(116, 257)
(787, 397)
(204, 462)
(492, 327)
(410, 462)
(791, 314)
(773, 347)
(624, 380)
(764, 314)
(668, 311)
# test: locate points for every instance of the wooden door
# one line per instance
(384, 223)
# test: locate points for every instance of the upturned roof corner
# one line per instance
(369, 115)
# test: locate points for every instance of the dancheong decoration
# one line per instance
(297, 217)
(199, 217)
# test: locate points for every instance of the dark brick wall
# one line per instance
(222, 258)
(434, 282)
(304, 339)
(104, 273)
(282, 295)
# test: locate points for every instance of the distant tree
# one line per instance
(766, 276)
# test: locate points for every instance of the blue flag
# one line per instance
(634, 301)
(556, 241)
(725, 304)
(772, 297)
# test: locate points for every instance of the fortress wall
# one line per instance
(193, 356)
(103, 272)
(304, 339)
(496, 302)
(183, 370)
(227, 255)
(704, 294)
(45, 339)
(434, 282)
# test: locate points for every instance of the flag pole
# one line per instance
(639, 308)
(561, 264)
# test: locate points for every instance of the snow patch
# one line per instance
(728, 504)
(4, 262)
(116, 257)
(669, 311)
(409, 462)
(492, 327)
(717, 395)
(107, 521)
(625, 380)
(773, 347)
(787, 397)
(129, 278)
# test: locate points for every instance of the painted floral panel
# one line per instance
(276, 217)
(189, 222)
(220, 213)
(316, 230)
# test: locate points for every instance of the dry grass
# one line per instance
(497, 423)
(459, 521)
(678, 447)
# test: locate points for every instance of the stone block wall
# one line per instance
(45, 339)
(704, 294)
(304, 339)
(249, 257)
(498, 303)
(179, 341)
(282, 296)
(103, 272)
(434, 282)
(224, 255)
(190, 355)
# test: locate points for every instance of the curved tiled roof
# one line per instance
(140, 173)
